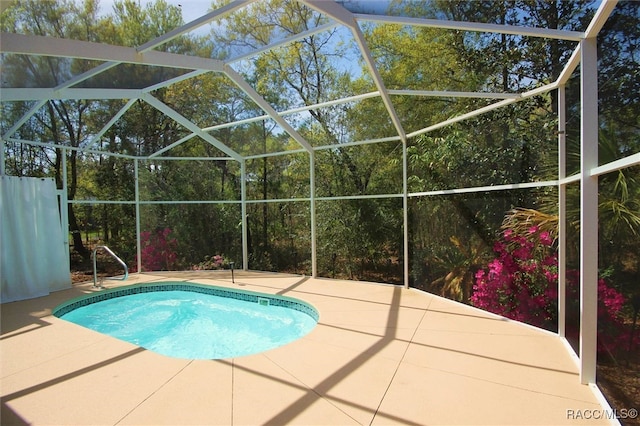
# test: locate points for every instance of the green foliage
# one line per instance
(450, 235)
(279, 236)
(360, 239)
(211, 263)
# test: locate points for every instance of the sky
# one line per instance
(191, 9)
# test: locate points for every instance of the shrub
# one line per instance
(158, 250)
(211, 263)
(521, 283)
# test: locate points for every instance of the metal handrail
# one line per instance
(95, 273)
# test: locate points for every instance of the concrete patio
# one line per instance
(379, 355)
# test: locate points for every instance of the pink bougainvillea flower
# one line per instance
(521, 283)
(545, 238)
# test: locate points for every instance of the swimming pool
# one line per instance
(193, 321)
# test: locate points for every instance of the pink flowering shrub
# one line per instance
(521, 283)
(613, 334)
(158, 250)
(213, 262)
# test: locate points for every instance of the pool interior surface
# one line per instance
(196, 325)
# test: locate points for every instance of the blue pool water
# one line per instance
(192, 325)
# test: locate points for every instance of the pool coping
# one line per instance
(213, 290)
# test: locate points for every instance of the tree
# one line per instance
(72, 123)
(61, 122)
(299, 73)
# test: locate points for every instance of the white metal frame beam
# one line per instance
(562, 212)
(24, 118)
(77, 49)
(38, 94)
(111, 122)
(534, 92)
(87, 75)
(283, 42)
(180, 119)
(174, 80)
(622, 163)
(266, 107)
(453, 94)
(588, 210)
(599, 18)
(473, 26)
(295, 110)
(195, 24)
(342, 15)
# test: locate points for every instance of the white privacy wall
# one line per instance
(33, 251)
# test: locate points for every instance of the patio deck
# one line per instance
(379, 355)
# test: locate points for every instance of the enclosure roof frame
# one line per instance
(337, 14)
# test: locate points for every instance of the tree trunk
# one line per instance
(78, 246)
